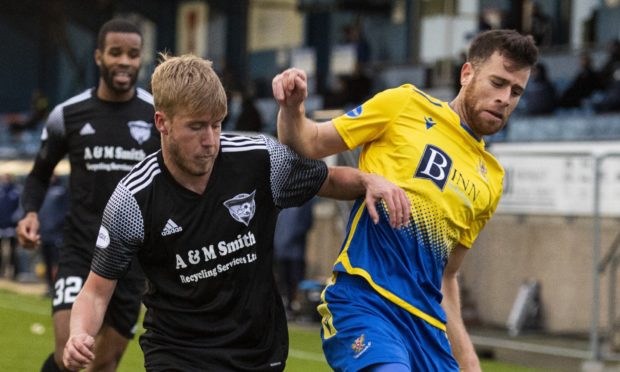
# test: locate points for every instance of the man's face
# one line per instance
(119, 62)
(191, 141)
(491, 92)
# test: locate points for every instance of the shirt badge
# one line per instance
(242, 207)
(140, 130)
(359, 347)
(482, 169)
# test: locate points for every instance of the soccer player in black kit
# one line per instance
(200, 215)
(104, 131)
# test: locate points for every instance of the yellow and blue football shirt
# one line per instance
(453, 183)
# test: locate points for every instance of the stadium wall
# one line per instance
(555, 251)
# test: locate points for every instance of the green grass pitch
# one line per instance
(26, 339)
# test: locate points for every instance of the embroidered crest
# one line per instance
(140, 130)
(482, 169)
(358, 345)
(242, 207)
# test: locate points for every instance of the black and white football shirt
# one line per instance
(103, 141)
(208, 258)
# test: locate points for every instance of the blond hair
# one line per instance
(188, 83)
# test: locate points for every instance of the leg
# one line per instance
(66, 288)
(357, 330)
(109, 348)
(61, 334)
(119, 323)
(109, 344)
(297, 274)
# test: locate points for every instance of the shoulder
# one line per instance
(142, 174)
(78, 98)
(493, 171)
(398, 97)
(240, 143)
(144, 96)
(73, 101)
(57, 117)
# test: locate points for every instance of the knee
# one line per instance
(106, 361)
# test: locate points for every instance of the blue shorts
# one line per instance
(361, 328)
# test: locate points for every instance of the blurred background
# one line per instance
(543, 272)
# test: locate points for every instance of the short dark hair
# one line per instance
(116, 25)
(521, 49)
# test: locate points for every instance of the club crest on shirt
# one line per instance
(140, 130)
(242, 207)
(359, 347)
(482, 169)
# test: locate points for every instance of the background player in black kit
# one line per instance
(200, 215)
(105, 131)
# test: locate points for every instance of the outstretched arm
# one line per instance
(461, 344)
(349, 183)
(308, 138)
(86, 319)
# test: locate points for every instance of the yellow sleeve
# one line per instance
(370, 120)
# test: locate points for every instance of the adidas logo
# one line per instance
(87, 129)
(171, 228)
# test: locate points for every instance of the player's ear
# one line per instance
(98, 57)
(467, 73)
(161, 122)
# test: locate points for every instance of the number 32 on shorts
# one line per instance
(67, 290)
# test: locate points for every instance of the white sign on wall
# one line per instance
(558, 179)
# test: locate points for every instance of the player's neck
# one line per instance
(196, 184)
(104, 93)
(457, 106)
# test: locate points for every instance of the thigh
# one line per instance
(109, 347)
(355, 333)
(367, 329)
(124, 308)
(70, 278)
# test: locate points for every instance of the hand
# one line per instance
(28, 231)
(399, 207)
(290, 88)
(78, 352)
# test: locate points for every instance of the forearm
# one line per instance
(344, 183)
(89, 309)
(35, 188)
(297, 131)
(461, 344)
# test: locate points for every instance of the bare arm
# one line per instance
(349, 183)
(308, 138)
(461, 344)
(86, 319)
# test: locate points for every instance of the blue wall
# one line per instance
(19, 66)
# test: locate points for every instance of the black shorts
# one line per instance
(124, 308)
(162, 354)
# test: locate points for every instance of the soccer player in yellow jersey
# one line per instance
(394, 295)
